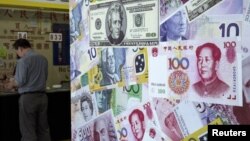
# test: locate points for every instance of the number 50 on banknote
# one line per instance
(206, 71)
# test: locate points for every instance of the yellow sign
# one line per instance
(55, 4)
(3, 52)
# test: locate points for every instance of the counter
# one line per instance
(58, 115)
(5, 93)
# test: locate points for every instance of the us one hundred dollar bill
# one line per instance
(101, 128)
(196, 8)
(124, 23)
(132, 124)
(187, 72)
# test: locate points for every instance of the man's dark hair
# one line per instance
(21, 43)
(139, 113)
(114, 8)
(215, 50)
(88, 99)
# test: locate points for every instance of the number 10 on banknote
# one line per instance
(204, 71)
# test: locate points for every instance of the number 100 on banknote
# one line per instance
(124, 23)
(203, 70)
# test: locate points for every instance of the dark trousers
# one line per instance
(33, 117)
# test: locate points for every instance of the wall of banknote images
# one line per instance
(158, 69)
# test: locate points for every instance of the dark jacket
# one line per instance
(215, 89)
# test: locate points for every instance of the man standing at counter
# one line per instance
(30, 79)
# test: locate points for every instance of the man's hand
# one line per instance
(10, 84)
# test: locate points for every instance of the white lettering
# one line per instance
(244, 133)
(215, 132)
(221, 133)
